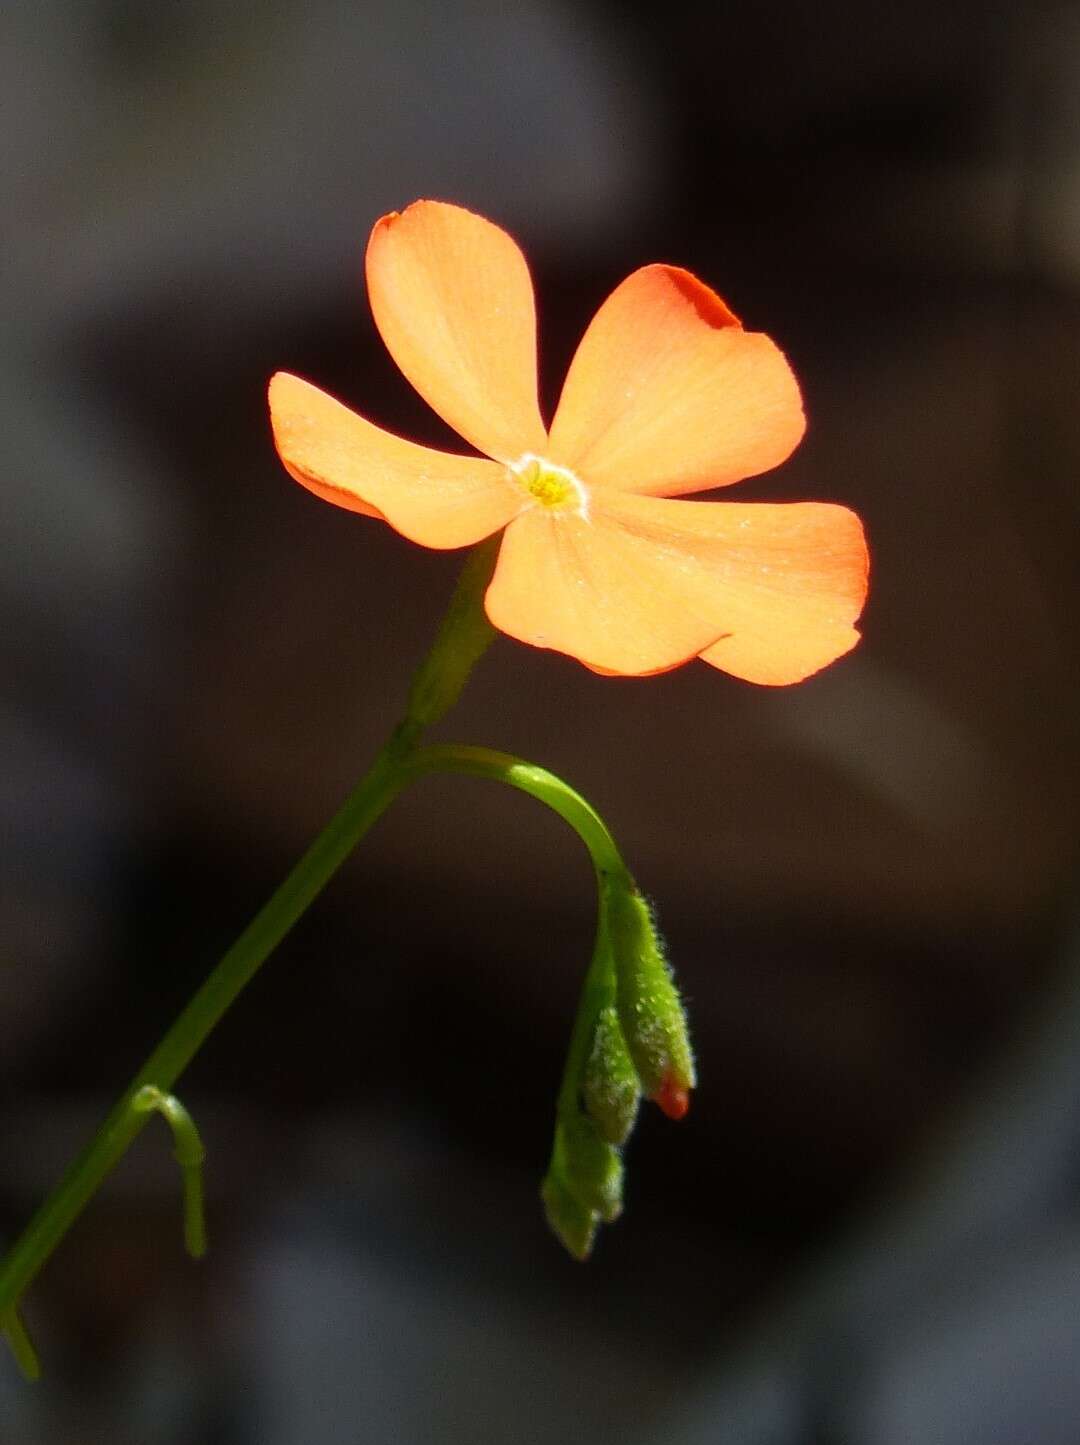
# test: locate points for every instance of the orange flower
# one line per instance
(667, 394)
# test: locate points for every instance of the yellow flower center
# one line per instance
(553, 487)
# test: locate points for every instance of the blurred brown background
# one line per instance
(866, 881)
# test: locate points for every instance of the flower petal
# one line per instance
(768, 592)
(430, 497)
(452, 299)
(668, 394)
(590, 589)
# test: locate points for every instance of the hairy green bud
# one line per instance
(590, 1167)
(570, 1220)
(611, 1089)
(650, 1011)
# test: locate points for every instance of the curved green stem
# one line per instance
(599, 986)
(597, 991)
(189, 1153)
(527, 778)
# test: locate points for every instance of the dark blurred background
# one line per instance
(868, 1230)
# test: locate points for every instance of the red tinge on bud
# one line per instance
(672, 1098)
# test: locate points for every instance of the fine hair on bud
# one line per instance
(611, 1089)
(649, 1008)
(590, 1167)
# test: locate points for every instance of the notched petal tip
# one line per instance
(383, 224)
(787, 662)
(800, 615)
(388, 221)
(712, 308)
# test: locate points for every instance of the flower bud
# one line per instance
(569, 1219)
(611, 1088)
(589, 1166)
(650, 1010)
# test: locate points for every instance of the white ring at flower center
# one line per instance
(565, 493)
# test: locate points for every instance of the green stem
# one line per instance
(460, 642)
(189, 1153)
(22, 1347)
(597, 991)
(536, 781)
(464, 636)
(598, 988)
(161, 1070)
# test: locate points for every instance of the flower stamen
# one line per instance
(555, 488)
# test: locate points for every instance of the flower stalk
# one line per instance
(584, 1162)
(439, 680)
